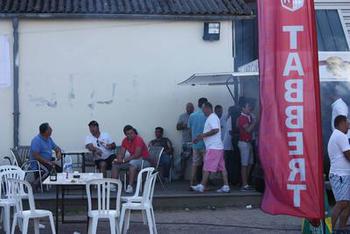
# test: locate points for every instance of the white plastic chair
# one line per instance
(6, 202)
(144, 205)
(144, 173)
(104, 208)
(25, 215)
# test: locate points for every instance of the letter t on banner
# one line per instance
(290, 109)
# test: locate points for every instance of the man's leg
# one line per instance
(132, 174)
(195, 156)
(339, 207)
(244, 152)
(244, 175)
(224, 177)
(103, 168)
(205, 178)
(344, 216)
(115, 171)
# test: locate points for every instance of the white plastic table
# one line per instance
(63, 181)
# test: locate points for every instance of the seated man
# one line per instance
(41, 150)
(102, 147)
(137, 148)
(165, 159)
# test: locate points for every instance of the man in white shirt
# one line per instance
(339, 174)
(102, 147)
(219, 111)
(214, 156)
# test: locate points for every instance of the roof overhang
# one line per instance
(125, 16)
(217, 78)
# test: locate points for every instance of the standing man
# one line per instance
(196, 124)
(102, 147)
(165, 159)
(41, 150)
(339, 174)
(228, 151)
(246, 125)
(214, 157)
(182, 125)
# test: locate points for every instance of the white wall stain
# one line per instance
(71, 94)
(109, 101)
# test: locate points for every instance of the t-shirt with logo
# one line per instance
(243, 120)
(101, 143)
(337, 145)
(135, 143)
(214, 141)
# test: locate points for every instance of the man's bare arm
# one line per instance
(137, 154)
(347, 154)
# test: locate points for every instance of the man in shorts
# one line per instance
(214, 158)
(139, 154)
(196, 123)
(102, 147)
(246, 124)
(339, 174)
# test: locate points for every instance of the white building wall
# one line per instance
(68, 69)
(6, 100)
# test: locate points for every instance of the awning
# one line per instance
(216, 78)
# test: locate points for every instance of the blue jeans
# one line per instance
(164, 164)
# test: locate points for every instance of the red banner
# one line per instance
(290, 142)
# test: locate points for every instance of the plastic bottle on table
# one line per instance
(68, 165)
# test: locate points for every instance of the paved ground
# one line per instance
(229, 220)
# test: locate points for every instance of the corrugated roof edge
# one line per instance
(125, 16)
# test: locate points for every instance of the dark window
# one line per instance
(246, 38)
(330, 32)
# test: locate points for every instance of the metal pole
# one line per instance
(16, 112)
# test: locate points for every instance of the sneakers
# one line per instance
(198, 188)
(129, 189)
(224, 189)
(247, 188)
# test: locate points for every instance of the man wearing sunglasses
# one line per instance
(102, 147)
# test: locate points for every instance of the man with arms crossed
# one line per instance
(339, 174)
(214, 157)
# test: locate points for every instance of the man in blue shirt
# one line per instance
(196, 123)
(41, 149)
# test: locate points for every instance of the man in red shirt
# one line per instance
(246, 124)
(139, 154)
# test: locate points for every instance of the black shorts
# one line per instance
(108, 161)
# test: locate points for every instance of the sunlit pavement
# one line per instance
(211, 220)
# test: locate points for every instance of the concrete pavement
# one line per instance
(203, 221)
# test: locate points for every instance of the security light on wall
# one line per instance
(211, 31)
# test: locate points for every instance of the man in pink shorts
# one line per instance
(214, 157)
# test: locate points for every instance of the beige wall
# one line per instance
(68, 67)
